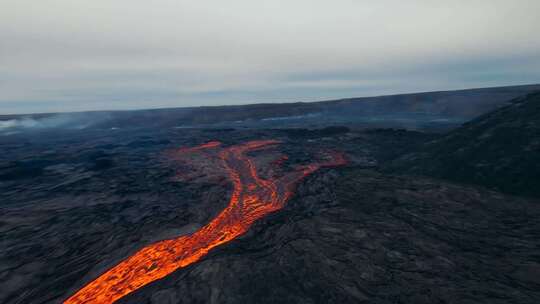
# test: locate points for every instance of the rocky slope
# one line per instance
(500, 150)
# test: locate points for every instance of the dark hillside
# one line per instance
(500, 150)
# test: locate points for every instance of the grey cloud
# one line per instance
(60, 55)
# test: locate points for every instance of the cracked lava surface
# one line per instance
(252, 198)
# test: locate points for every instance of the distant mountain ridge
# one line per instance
(405, 110)
(500, 150)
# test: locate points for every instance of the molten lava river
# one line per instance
(252, 198)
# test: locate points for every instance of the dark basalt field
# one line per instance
(379, 230)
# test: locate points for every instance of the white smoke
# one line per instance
(66, 121)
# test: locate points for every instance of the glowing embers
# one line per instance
(252, 198)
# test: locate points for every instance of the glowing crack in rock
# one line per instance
(252, 198)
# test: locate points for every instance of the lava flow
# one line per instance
(252, 198)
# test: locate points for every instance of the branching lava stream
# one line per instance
(252, 198)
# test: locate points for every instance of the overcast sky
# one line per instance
(72, 55)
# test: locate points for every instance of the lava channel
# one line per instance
(252, 198)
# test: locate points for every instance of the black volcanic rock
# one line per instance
(500, 149)
(22, 169)
(316, 133)
(348, 235)
(355, 236)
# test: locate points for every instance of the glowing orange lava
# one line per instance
(210, 144)
(252, 198)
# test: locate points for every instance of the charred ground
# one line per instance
(77, 202)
